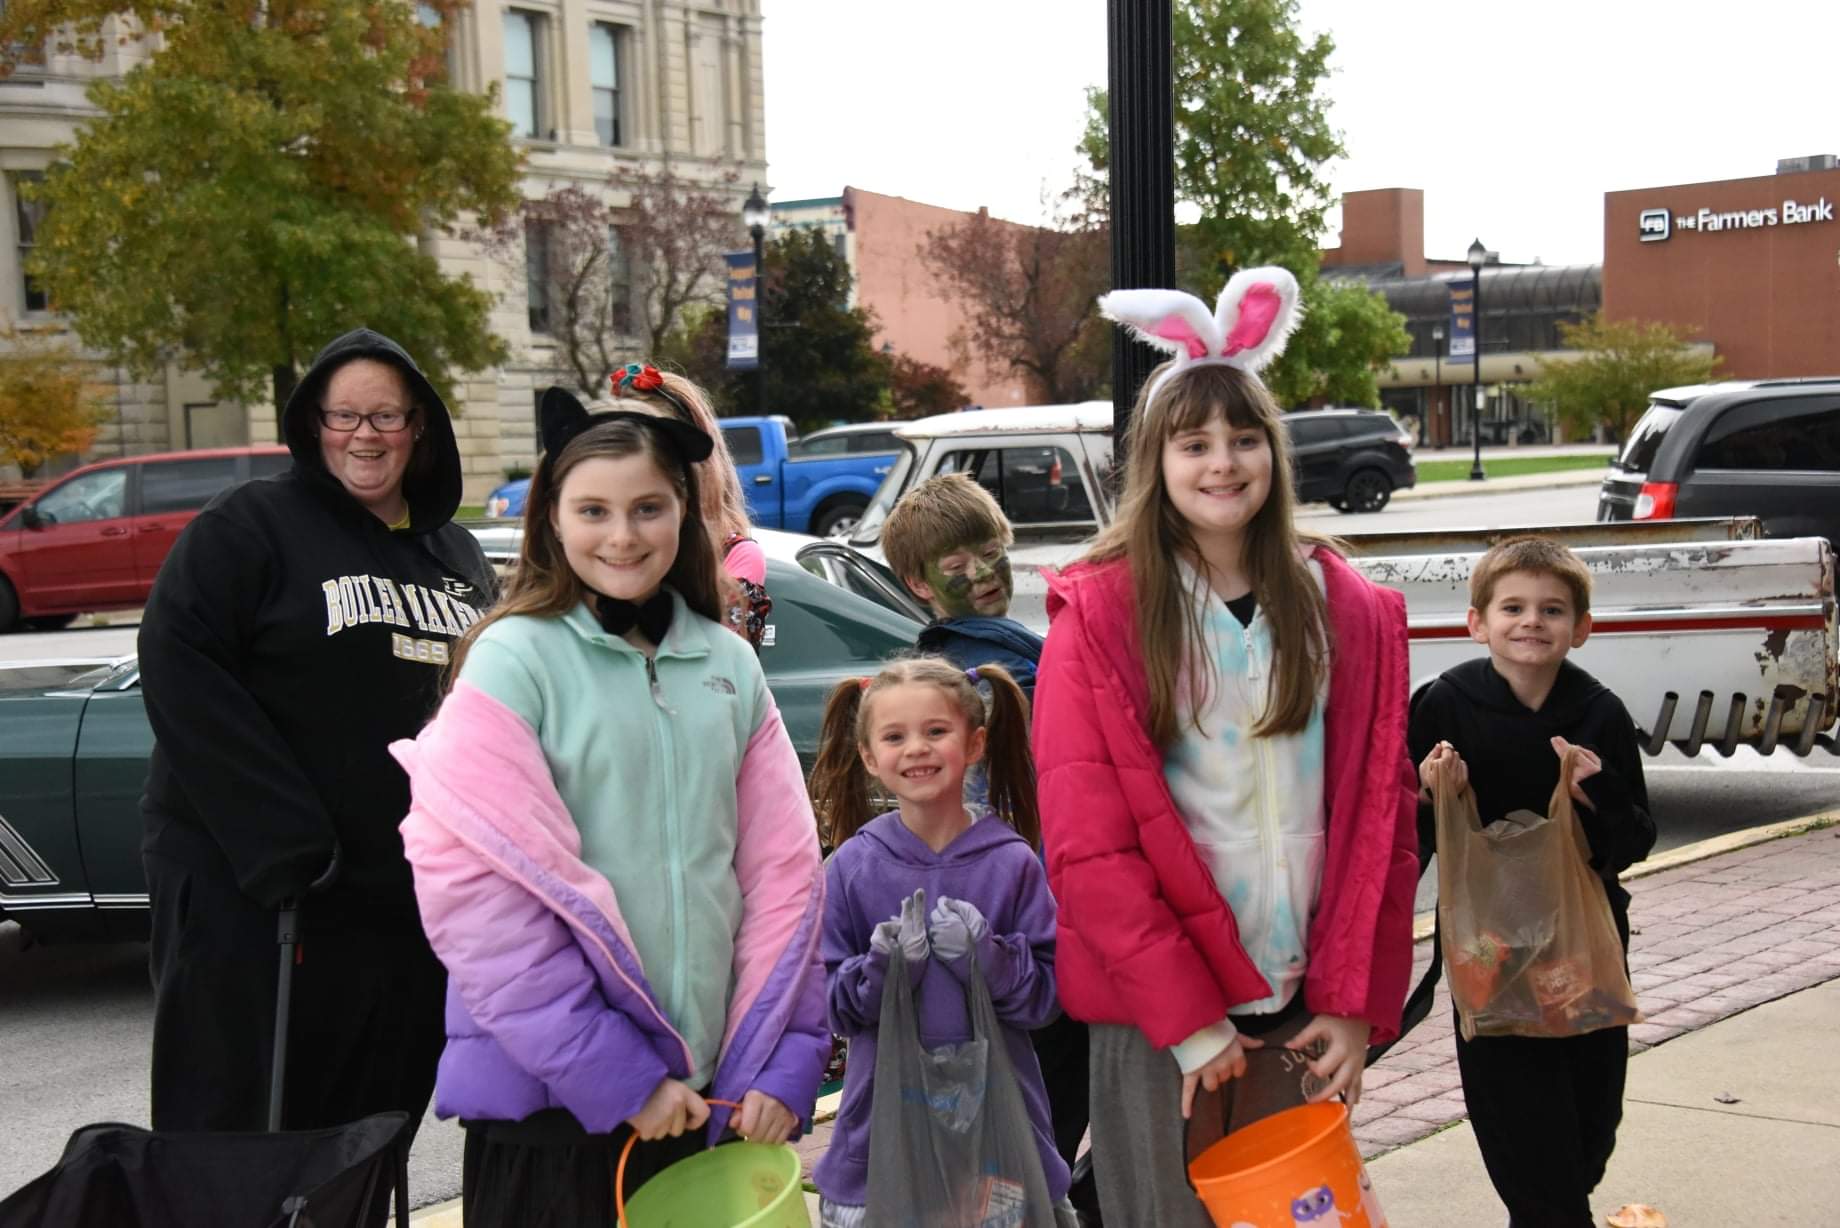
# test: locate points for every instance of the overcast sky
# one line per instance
(1513, 118)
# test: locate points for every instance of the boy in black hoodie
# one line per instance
(1544, 1111)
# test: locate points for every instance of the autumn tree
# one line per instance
(1618, 364)
(617, 278)
(1028, 296)
(1252, 141)
(918, 389)
(265, 182)
(816, 350)
(46, 405)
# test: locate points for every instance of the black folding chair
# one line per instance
(119, 1176)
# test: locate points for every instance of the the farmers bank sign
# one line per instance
(1659, 224)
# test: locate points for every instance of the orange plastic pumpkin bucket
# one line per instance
(1295, 1169)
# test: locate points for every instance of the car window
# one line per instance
(268, 464)
(1367, 426)
(1774, 435)
(184, 485)
(743, 444)
(1306, 431)
(874, 441)
(1645, 440)
(829, 445)
(1040, 485)
(94, 496)
(869, 528)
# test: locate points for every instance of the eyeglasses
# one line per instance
(388, 421)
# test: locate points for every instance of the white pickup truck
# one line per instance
(1711, 634)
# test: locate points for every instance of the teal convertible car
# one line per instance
(74, 742)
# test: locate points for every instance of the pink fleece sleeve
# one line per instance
(745, 560)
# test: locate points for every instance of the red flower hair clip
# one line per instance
(639, 376)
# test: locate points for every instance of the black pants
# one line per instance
(365, 1030)
(1545, 1113)
(1063, 1051)
(548, 1172)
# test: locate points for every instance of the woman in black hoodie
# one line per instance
(299, 626)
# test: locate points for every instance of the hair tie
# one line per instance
(972, 674)
(864, 682)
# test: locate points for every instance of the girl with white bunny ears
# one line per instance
(1227, 807)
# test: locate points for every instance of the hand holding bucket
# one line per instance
(736, 1185)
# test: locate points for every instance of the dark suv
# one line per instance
(1351, 459)
(1764, 448)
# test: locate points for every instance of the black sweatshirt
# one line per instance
(290, 637)
(1512, 765)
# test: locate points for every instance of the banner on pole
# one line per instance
(1462, 320)
(743, 316)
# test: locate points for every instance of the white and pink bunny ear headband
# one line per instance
(1254, 317)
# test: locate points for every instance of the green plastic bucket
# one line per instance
(736, 1185)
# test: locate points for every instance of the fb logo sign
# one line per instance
(1655, 225)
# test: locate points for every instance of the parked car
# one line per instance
(95, 539)
(1763, 448)
(1707, 634)
(74, 739)
(821, 491)
(1496, 431)
(1351, 459)
(855, 437)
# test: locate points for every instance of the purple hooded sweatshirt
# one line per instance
(990, 866)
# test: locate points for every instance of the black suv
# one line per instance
(1764, 448)
(1351, 459)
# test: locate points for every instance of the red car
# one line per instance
(95, 538)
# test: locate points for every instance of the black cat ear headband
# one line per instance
(560, 417)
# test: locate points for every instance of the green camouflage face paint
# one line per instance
(982, 589)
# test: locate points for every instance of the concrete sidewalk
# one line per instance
(1736, 1124)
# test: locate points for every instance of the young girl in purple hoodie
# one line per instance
(937, 879)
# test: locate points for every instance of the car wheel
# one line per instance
(9, 606)
(51, 622)
(1338, 505)
(1367, 491)
(837, 518)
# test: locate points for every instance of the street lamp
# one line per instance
(1478, 255)
(756, 215)
(1437, 378)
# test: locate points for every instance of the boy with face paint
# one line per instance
(949, 542)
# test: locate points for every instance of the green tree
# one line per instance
(46, 405)
(1252, 138)
(269, 179)
(815, 349)
(1619, 363)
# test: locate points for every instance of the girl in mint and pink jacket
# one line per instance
(613, 850)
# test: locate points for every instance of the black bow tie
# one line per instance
(652, 616)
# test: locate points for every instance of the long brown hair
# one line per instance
(1152, 534)
(545, 586)
(840, 781)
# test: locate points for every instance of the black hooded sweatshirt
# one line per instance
(1512, 765)
(290, 637)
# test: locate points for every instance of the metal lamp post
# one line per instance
(1478, 255)
(756, 214)
(1437, 377)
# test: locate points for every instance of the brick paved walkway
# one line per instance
(1708, 940)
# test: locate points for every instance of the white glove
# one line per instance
(906, 929)
(957, 927)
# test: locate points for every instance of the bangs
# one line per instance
(1191, 400)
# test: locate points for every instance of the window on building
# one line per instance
(25, 54)
(619, 281)
(606, 54)
(431, 18)
(28, 216)
(523, 65)
(708, 93)
(537, 277)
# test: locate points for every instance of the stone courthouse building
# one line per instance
(588, 85)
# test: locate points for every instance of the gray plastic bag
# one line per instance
(950, 1142)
